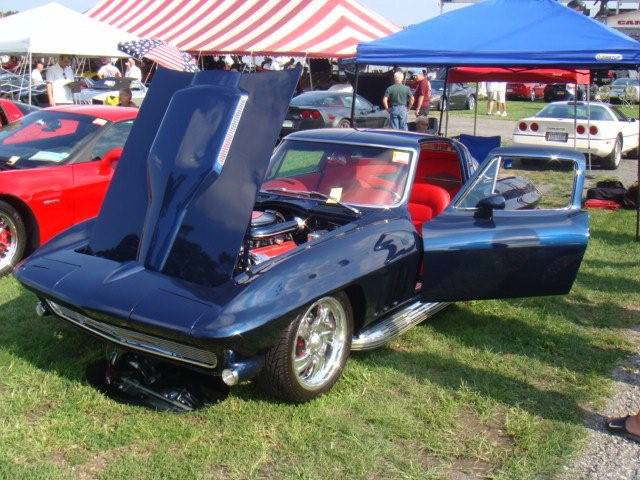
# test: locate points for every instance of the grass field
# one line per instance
(494, 389)
(518, 109)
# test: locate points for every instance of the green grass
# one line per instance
(518, 109)
(494, 389)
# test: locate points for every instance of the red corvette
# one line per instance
(55, 167)
(525, 91)
(11, 111)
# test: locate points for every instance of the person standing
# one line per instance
(423, 95)
(108, 70)
(133, 71)
(397, 100)
(502, 98)
(36, 74)
(59, 76)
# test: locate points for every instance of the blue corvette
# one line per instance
(213, 253)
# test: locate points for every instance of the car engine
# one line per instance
(273, 233)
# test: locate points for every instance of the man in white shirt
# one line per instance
(108, 70)
(133, 71)
(36, 74)
(59, 76)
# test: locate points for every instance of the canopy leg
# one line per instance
(443, 100)
(638, 178)
(353, 98)
(475, 114)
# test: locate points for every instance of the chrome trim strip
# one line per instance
(82, 321)
(383, 331)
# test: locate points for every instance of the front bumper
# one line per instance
(128, 338)
(599, 147)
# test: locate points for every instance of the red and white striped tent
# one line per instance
(299, 28)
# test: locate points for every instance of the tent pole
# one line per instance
(30, 66)
(475, 116)
(575, 115)
(353, 98)
(638, 179)
(310, 77)
(589, 126)
(443, 100)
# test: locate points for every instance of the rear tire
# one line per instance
(612, 161)
(311, 352)
(13, 238)
(471, 103)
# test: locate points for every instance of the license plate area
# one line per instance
(557, 137)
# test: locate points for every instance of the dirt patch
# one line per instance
(92, 469)
(465, 469)
(471, 428)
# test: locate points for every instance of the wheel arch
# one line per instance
(30, 222)
(357, 298)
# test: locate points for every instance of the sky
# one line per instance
(402, 12)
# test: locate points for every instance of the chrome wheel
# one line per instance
(8, 240)
(319, 343)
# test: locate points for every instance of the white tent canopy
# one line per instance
(57, 30)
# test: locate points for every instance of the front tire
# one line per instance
(311, 352)
(612, 161)
(13, 237)
(344, 123)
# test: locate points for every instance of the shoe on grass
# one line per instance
(619, 426)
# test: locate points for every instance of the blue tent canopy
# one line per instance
(505, 33)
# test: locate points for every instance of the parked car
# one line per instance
(459, 97)
(55, 168)
(625, 89)
(602, 130)
(10, 111)
(241, 266)
(525, 91)
(554, 92)
(326, 109)
(106, 91)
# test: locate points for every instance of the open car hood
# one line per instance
(181, 199)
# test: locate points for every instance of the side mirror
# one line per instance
(109, 159)
(486, 206)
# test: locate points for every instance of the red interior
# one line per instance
(367, 181)
(37, 131)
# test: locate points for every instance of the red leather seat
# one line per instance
(426, 202)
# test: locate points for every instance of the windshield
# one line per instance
(352, 174)
(437, 85)
(318, 99)
(114, 84)
(45, 138)
(564, 110)
(626, 81)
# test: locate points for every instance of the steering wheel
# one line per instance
(284, 183)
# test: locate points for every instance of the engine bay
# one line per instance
(275, 231)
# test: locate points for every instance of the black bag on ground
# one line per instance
(608, 190)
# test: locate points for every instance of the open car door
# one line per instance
(503, 237)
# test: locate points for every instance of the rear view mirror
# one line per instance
(109, 159)
(486, 206)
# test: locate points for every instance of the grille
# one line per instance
(138, 341)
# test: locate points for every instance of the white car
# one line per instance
(106, 91)
(607, 134)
